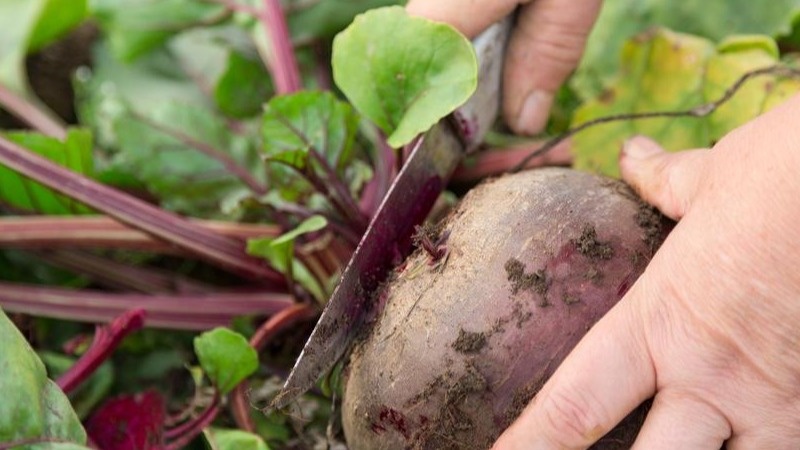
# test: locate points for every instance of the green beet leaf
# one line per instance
(74, 153)
(226, 357)
(56, 18)
(322, 20)
(280, 254)
(135, 27)
(222, 439)
(225, 59)
(293, 125)
(136, 110)
(622, 19)
(112, 89)
(160, 151)
(667, 71)
(403, 73)
(243, 87)
(90, 392)
(33, 407)
(310, 225)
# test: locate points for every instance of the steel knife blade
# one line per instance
(424, 176)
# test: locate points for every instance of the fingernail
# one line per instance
(640, 148)
(534, 112)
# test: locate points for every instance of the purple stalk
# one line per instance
(319, 185)
(117, 275)
(240, 408)
(220, 250)
(336, 226)
(106, 339)
(190, 430)
(385, 171)
(191, 417)
(103, 232)
(497, 161)
(282, 62)
(280, 322)
(189, 312)
(37, 117)
(337, 189)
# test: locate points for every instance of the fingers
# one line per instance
(545, 48)
(668, 181)
(682, 421)
(468, 16)
(606, 376)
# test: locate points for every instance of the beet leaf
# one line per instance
(668, 71)
(74, 153)
(223, 439)
(404, 82)
(33, 409)
(226, 357)
(280, 254)
(135, 27)
(29, 26)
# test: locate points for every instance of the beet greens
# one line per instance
(176, 167)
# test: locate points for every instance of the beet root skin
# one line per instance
(532, 261)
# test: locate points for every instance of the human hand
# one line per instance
(544, 49)
(712, 328)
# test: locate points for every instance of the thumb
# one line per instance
(668, 181)
(545, 48)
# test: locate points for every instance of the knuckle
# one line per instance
(545, 57)
(667, 177)
(676, 196)
(572, 419)
(555, 45)
(663, 184)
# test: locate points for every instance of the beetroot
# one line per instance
(468, 335)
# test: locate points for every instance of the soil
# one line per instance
(522, 397)
(521, 281)
(594, 275)
(469, 342)
(570, 299)
(451, 425)
(652, 223)
(588, 245)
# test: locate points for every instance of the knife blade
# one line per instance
(434, 158)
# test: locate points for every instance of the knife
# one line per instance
(434, 158)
